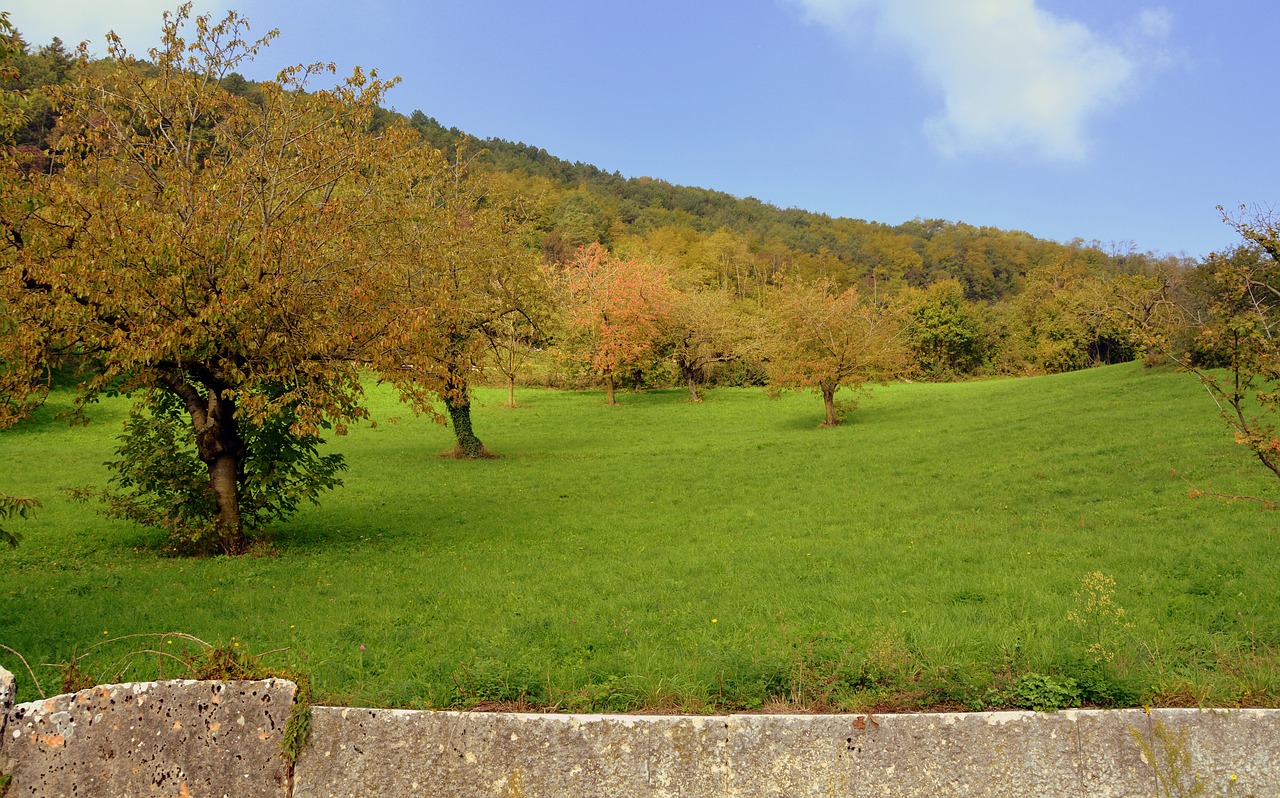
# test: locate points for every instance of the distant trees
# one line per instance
(944, 332)
(824, 339)
(578, 220)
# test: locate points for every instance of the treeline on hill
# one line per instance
(983, 301)
(976, 301)
(238, 254)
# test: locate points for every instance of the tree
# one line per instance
(17, 367)
(703, 329)
(578, 220)
(471, 280)
(509, 348)
(613, 312)
(824, 340)
(722, 258)
(1064, 321)
(226, 255)
(1242, 334)
(942, 329)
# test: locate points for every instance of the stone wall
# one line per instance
(219, 739)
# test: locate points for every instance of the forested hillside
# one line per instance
(999, 301)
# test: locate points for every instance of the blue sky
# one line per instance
(1095, 119)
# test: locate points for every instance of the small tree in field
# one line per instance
(510, 345)
(704, 329)
(614, 310)
(1242, 333)
(222, 258)
(824, 340)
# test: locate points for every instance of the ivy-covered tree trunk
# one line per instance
(469, 446)
(457, 400)
(829, 401)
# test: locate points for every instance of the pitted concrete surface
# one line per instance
(980, 754)
(181, 738)
(1087, 753)
(363, 752)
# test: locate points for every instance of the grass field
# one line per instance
(726, 555)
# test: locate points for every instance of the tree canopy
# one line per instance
(233, 256)
(824, 339)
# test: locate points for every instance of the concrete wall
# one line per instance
(364, 752)
(181, 738)
(223, 739)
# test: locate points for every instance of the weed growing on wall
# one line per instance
(1168, 753)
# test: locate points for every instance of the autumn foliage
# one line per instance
(232, 255)
(238, 258)
(613, 312)
(826, 339)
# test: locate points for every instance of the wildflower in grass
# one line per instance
(362, 648)
(1097, 613)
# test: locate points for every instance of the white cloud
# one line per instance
(1013, 77)
(137, 22)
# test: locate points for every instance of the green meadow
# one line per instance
(932, 552)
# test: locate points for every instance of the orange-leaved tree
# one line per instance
(222, 258)
(824, 340)
(613, 312)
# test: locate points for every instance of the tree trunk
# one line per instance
(609, 398)
(224, 479)
(457, 400)
(220, 447)
(511, 392)
(829, 401)
(691, 379)
(469, 446)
